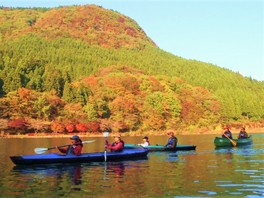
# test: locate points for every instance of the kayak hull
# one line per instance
(162, 148)
(83, 158)
(224, 142)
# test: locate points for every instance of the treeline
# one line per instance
(101, 80)
(116, 99)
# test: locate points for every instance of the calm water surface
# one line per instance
(206, 172)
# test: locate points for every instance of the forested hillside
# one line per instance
(85, 68)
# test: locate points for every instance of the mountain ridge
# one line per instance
(44, 54)
(82, 22)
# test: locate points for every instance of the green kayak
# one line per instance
(224, 142)
(157, 147)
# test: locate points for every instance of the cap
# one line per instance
(170, 133)
(145, 137)
(75, 137)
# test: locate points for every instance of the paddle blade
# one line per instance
(40, 150)
(89, 141)
(233, 142)
(105, 134)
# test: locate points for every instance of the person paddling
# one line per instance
(117, 145)
(227, 133)
(75, 148)
(145, 142)
(243, 134)
(172, 141)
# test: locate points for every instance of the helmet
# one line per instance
(75, 137)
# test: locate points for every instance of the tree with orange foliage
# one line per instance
(57, 127)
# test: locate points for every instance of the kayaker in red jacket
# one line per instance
(117, 146)
(75, 148)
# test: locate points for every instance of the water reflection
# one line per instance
(205, 172)
(245, 167)
(116, 168)
(73, 172)
(70, 174)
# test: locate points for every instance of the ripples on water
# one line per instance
(206, 172)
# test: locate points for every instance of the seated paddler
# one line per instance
(145, 142)
(227, 133)
(117, 145)
(242, 134)
(75, 148)
(172, 141)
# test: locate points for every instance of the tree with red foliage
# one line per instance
(70, 128)
(17, 124)
(93, 126)
(81, 127)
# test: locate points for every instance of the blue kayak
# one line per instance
(162, 147)
(127, 154)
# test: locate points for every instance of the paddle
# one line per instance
(42, 150)
(105, 134)
(234, 143)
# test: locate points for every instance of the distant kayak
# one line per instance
(83, 158)
(162, 147)
(224, 142)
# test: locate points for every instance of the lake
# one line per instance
(205, 172)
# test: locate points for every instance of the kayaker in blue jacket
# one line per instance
(172, 141)
(227, 133)
(243, 134)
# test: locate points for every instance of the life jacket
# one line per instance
(71, 149)
(172, 141)
(228, 134)
(120, 149)
(243, 134)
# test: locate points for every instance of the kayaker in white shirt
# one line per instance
(145, 142)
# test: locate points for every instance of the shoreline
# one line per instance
(127, 134)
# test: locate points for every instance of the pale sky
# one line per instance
(226, 33)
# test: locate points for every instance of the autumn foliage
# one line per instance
(18, 124)
(88, 69)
